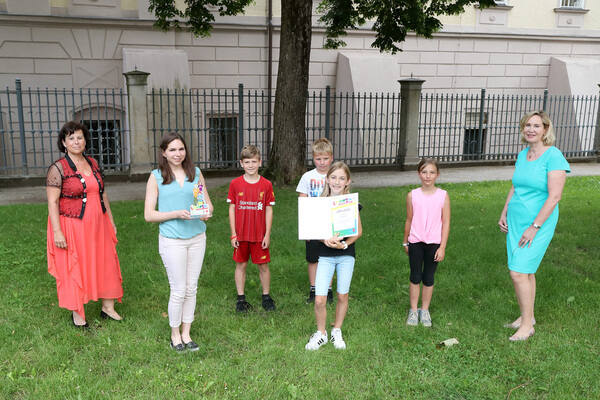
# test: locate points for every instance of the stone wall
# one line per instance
(76, 53)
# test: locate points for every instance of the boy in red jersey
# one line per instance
(251, 201)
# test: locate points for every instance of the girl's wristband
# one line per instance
(405, 244)
(233, 237)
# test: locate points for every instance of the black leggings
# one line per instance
(422, 266)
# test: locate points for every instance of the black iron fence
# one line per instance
(461, 127)
(30, 120)
(363, 127)
(218, 123)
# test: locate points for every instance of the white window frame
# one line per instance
(501, 2)
(577, 4)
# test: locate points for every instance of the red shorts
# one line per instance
(254, 249)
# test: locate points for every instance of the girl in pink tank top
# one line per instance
(425, 237)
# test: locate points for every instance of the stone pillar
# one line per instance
(410, 99)
(137, 110)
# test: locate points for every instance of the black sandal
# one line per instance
(191, 346)
(78, 326)
(178, 347)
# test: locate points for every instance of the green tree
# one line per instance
(391, 21)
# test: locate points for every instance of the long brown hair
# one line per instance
(334, 167)
(163, 164)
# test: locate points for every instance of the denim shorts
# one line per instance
(344, 265)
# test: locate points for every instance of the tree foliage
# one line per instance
(392, 19)
(198, 14)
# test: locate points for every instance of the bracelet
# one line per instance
(405, 244)
(344, 244)
(536, 226)
(233, 237)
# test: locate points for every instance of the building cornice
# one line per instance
(258, 23)
(521, 33)
(52, 20)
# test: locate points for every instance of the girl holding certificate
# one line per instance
(425, 237)
(335, 254)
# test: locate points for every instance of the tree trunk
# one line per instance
(288, 152)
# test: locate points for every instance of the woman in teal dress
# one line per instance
(530, 213)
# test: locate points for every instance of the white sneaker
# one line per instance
(413, 318)
(316, 340)
(425, 318)
(337, 339)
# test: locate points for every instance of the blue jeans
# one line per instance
(344, 265)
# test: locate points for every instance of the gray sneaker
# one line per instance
(425, 317)
(413, 318)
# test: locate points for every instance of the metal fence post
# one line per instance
(137, 110)
(269, 122)
(240, 117)
(410, 101)
(597, 131)
(545, 103)
(327, 109)
(21, 125)
(481, 118)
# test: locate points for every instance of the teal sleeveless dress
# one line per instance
(530, 181)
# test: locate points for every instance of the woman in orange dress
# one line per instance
(81, 231)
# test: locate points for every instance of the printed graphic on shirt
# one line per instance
(316, 187)
(250, 205)
(311, 184)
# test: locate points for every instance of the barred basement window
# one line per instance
(105, 142)
(474, 141)
(223, 140)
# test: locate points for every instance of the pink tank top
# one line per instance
(426, 223)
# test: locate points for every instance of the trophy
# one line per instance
(199, 208)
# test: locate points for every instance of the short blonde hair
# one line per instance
(548, 139)
(249, 151)
(322, 145)
(334, 167)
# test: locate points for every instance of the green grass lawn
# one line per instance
(262, 356)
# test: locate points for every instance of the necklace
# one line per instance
(531, 155)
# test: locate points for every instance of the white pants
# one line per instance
(183, 261)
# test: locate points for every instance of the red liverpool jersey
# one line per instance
(251, 200)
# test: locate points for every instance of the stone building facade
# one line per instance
(519, 47)
(80, 44)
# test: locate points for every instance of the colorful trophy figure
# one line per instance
(200, 207)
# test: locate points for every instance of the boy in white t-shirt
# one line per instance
(312, 184)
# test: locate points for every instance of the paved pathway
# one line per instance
(118, 191)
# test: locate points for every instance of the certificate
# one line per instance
(320, 218)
